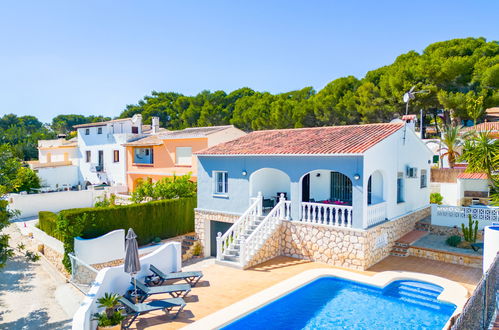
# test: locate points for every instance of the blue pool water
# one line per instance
(333, 303)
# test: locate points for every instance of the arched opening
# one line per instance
(375, 188)
(271, 183)
(326, 186)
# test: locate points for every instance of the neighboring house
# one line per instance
(459, 188)
(349, 191)
(492, 114)
(101, 151)
(57, 164)
(171, 153)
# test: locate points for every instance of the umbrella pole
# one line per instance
(135, 288)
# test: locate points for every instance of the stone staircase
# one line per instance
(402, 245)
(188, 243)
(231, 255)
(423, 225)
(249, 233)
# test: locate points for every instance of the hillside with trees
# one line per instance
(460, 75)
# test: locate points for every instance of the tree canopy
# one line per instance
(460, 75)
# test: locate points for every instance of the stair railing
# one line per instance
(264, 230)
(239, 227)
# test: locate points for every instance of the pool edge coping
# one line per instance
(453, 293)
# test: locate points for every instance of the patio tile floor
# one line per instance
(222, 286)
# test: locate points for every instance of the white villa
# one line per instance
(57, 164)
(101, 151)
(340, 195)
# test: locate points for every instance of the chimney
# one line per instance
(155, 125)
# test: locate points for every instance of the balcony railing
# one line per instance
(376, 213)
(326, 214)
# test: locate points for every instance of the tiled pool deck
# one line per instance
(437, 242)
(222, 286)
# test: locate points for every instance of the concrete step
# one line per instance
(231, 252)
(230, 258)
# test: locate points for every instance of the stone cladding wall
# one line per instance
(458, 259)
(201, 217)
(337, 246)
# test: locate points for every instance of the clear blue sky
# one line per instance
(94, 57)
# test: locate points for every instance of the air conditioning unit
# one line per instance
(411, 172)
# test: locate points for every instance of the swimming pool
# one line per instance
(334, 303)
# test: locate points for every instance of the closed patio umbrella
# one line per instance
(132, 262)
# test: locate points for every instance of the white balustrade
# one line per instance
(447, 215)
(376, 213)
(326, 214)
(240, 226)
(249, 247)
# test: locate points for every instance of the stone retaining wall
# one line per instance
(451, 231)
(380, 239)
(270, 249)
(458, 259)
(337, 246)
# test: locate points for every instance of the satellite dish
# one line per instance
(406, 97)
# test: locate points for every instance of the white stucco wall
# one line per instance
(320, 186)
(108, 247)
(59, 175)
(269, 182)
(450, 193)
(391, 156)
(58, 155)
(30, 205)
(168, 259)
(113, 136)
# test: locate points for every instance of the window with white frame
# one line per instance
(424, 179)
(400, 187)
(221, 182)
(183, 156)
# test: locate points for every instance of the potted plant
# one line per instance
(111, 317)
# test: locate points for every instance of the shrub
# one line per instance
(47, 221)
(453, 240)
(106, 202)
(436, 198)
(25, 180)
(164, 219)
(166, 188)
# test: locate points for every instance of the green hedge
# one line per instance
(163, 219)
(47, 221)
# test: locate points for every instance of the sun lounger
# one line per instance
(159, 277)
(134, 310)
(175, 290)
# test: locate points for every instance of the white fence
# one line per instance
(108, 247)
(115, 280)
(30, 205)
(450, 216)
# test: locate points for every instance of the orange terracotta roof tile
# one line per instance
(354, 139)
(472, 176)
(484, 127)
